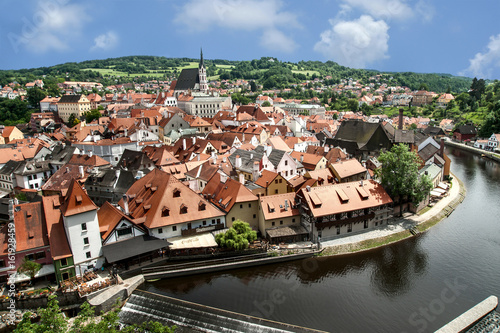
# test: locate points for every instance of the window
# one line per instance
(293, 220)
(84, 226)
(338, 230)
(64, 262)
(123, 232)
(65, 276)
(272, 223)
(281, 180)
(241, 206)
(174, 228)
(29, 257)
(286, 162)
(88, 255)
(160, 230)
(86, 241)
(218, 220)
(204, 222)
(276, 181)
(232, 219)
(281, 222)
(366, 224)
(254, 215)
(349, 227)
(2, 263)
(276, 191)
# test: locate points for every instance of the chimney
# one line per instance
(67, 169)
(117, 174)
(125, 204)
(251, 156)
(91, 153)
(194, 140)
(183, 144)
(139, 174)
(126, 133)
(301, 158)
(327, 148)
(400, 125)
(441, 148)
(242, 178)
(255, 170)
(238, 161)
(80, 169)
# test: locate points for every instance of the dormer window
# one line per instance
(79, 199)
(202, 206)
(177, 193)
(184, 209)
(165, 212)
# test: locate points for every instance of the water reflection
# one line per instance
(397, 267)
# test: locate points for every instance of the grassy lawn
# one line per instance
(112, 72)
(191, 65)
(225, 66)
(305, 72)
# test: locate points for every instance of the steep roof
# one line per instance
(159, 192)
(109, 216)
(76, 200)
(466, 129)
(31, 231)
(204, 172)
(276, 156)
(247, 158)
(69, 99)
(59, 246)
(187, 79)
(88, 161)
(427, 152)
(326, 200)
(266, 178)
(225, 194)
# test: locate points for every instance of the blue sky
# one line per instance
(443, 36)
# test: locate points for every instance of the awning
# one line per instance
(132, 247)
(44, 271)
(444, 186)
(192, 242)
(435, 193)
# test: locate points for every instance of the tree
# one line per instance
(238, 237)
(92, 114)
(73, 120)
(53, 320)
(423, 86)
(400, 177)
(29, 268)
(477, 88)
(352, 105)
(253, 86)
(266, 103)
(35, 95)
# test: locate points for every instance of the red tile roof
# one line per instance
(76, 200)
(31, 231)
(59, 247)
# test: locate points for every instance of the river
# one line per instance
(416, 285)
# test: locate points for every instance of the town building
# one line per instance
(75, 105)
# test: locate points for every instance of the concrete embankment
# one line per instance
(169, 272)
(493, 156)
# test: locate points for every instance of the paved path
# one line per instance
(399, 224)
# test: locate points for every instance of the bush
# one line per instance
(238, 237)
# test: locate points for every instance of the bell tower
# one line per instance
(202, 74)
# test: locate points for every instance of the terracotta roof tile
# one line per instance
(76, 200)
(59, 247)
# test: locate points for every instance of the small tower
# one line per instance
(202, 74)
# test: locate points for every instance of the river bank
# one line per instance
(399, 228)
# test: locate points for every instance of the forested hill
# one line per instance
(270, 72)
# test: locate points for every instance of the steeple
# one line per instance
(201, 59)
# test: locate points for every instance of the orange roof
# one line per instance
(225, 195)
(59, 247)
(7, 131)
(157, 197)
(266, 178)
(273, 206)
(86, 160)
(327, 200)
(31, 231)
(109, 216)
(62, 178)
(76, 200)
(348, 168)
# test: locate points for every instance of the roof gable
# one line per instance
(76, 200)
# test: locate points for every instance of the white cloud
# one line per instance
(383, 9)
(105, 41)
(482, 64)
(425, 10)
(276, 40)
(52, 26)
(264, 16)
(355, 43)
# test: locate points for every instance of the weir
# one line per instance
(188, 317)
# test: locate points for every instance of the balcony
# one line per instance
(328, 223)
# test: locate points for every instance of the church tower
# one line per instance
(202, 74)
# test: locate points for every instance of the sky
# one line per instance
(426, 36)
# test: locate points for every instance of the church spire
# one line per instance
(201, 58)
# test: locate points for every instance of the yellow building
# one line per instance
(272, 182)
(10, 133)
(72, 104)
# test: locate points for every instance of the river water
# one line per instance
(416, 285)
